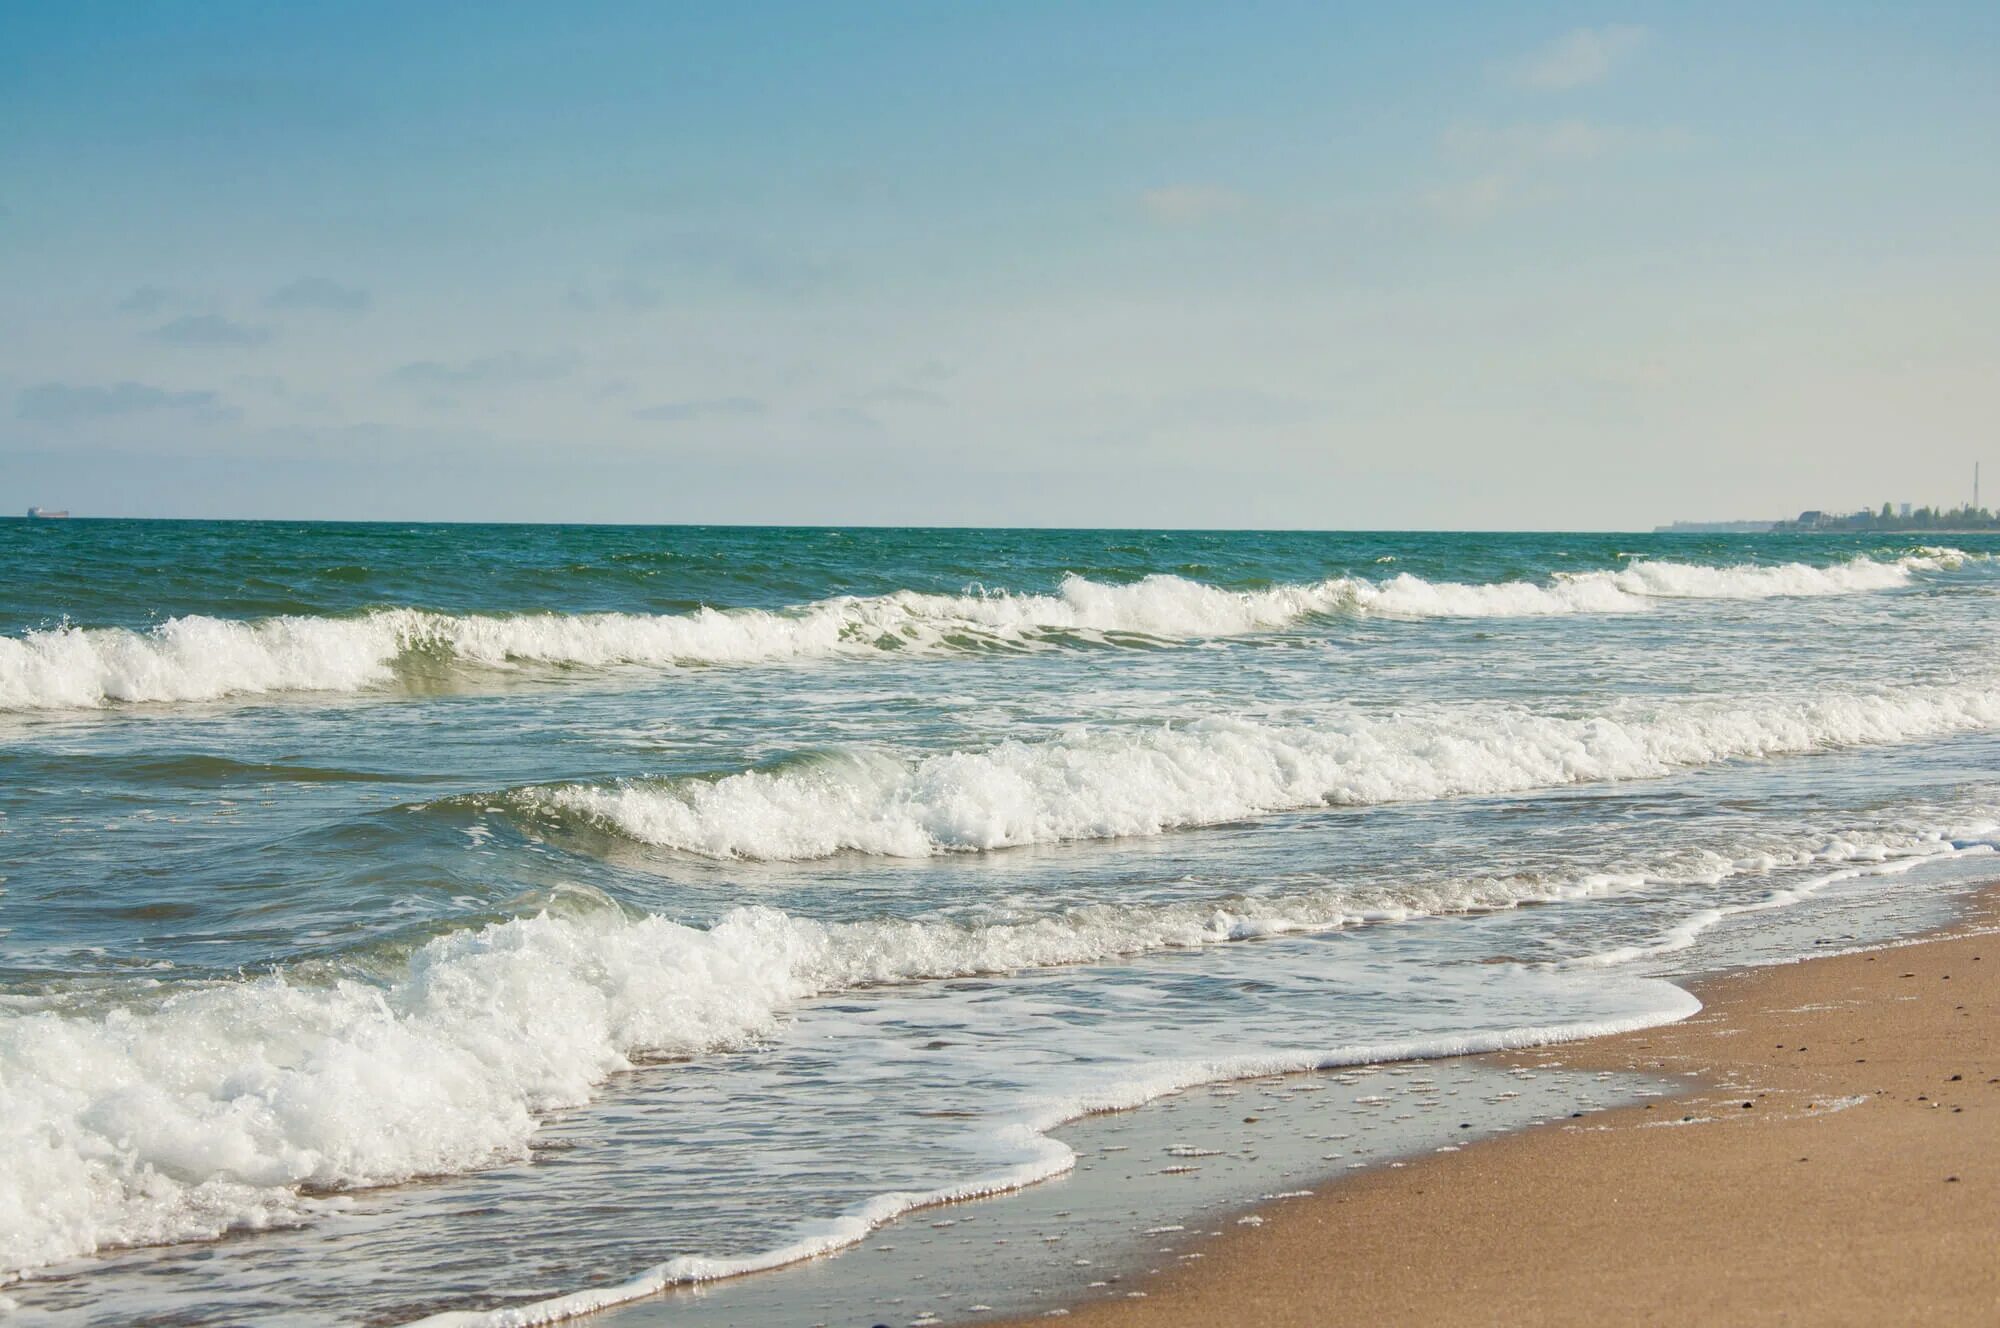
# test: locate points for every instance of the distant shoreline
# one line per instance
(1753, 528)
(1692, 528)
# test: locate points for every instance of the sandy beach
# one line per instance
(1835, 1158)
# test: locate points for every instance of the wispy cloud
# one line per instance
(64, 403)
(319, 293)
(1190, 204)
(210, 330)
(706, 409)
(1517, 164)
(486, 370)
(1579, 58)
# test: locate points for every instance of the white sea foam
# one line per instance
(1109, 783)
(200, 658)
(226, 1105)
(218, 1105)
(1043, 1156)
(1877, 860)
(1639, 584)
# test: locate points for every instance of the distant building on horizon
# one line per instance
(1967, 519)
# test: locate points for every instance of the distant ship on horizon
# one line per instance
(47, 514)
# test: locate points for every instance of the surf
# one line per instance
(1109, 782)
(199, 658)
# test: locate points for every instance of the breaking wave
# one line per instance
(198, 658)
(1113, 783)
(225, 1105)
(237, 1104)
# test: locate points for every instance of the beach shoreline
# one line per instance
(1834, 1158)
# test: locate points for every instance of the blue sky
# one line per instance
(1221, 265)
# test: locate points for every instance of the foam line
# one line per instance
(220, 1106)
(1045, 1157)
(199, 658)
(1683, 934)
(1111, 783)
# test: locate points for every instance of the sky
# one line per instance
(1106, 264)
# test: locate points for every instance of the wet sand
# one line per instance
(1150, 1188)
(1835, 1159)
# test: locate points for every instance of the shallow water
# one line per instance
(457, 917)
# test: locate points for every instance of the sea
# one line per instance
(485, 923)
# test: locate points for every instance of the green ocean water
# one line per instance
(339, 856)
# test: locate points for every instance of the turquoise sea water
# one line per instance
(386, 896)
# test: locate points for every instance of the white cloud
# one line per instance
(1579, 58)
(1190, 204)
(1514, 165)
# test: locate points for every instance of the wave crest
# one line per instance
(225, 1105)
(198, 658)
(1108, 784)
(217, 1107)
